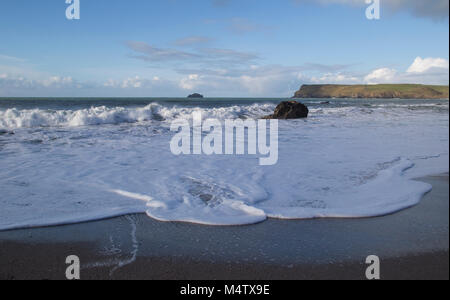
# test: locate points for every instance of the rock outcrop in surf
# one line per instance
(6, 132)
(289, 110)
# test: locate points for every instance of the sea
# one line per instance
(70, 160)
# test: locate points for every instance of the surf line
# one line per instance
(211, 137)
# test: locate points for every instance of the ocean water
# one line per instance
(72, 160)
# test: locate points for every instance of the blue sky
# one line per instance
(248, 48)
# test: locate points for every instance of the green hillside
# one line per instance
(382, 91)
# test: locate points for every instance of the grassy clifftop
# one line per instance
(382, 91)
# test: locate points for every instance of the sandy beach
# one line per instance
(412, 244)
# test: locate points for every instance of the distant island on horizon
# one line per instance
(196, 96)
(378, 91)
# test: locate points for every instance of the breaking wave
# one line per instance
(29, 118)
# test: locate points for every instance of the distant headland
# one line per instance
(380, 91)
(196, 95)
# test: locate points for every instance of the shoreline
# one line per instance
(119, 215)
(412, 244)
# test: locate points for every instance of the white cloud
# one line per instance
(423, 65)
(256, 82)
(335, 78)
(57, 81)
(383, 75)
(191, 82)
(425, 71)
(135, 82)
(10, 83)
(16, 82)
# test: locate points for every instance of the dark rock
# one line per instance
(289, 110)
(326, 102)
(3, 132)
(195, 95)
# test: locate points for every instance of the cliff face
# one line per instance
(382, 91)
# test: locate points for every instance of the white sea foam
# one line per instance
(353, 161)
(29, 118)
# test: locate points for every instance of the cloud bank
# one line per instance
(427, 71)
(231, 81)
(199, 56)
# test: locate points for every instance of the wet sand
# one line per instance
(412, 244)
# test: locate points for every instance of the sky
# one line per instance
(220, 48)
